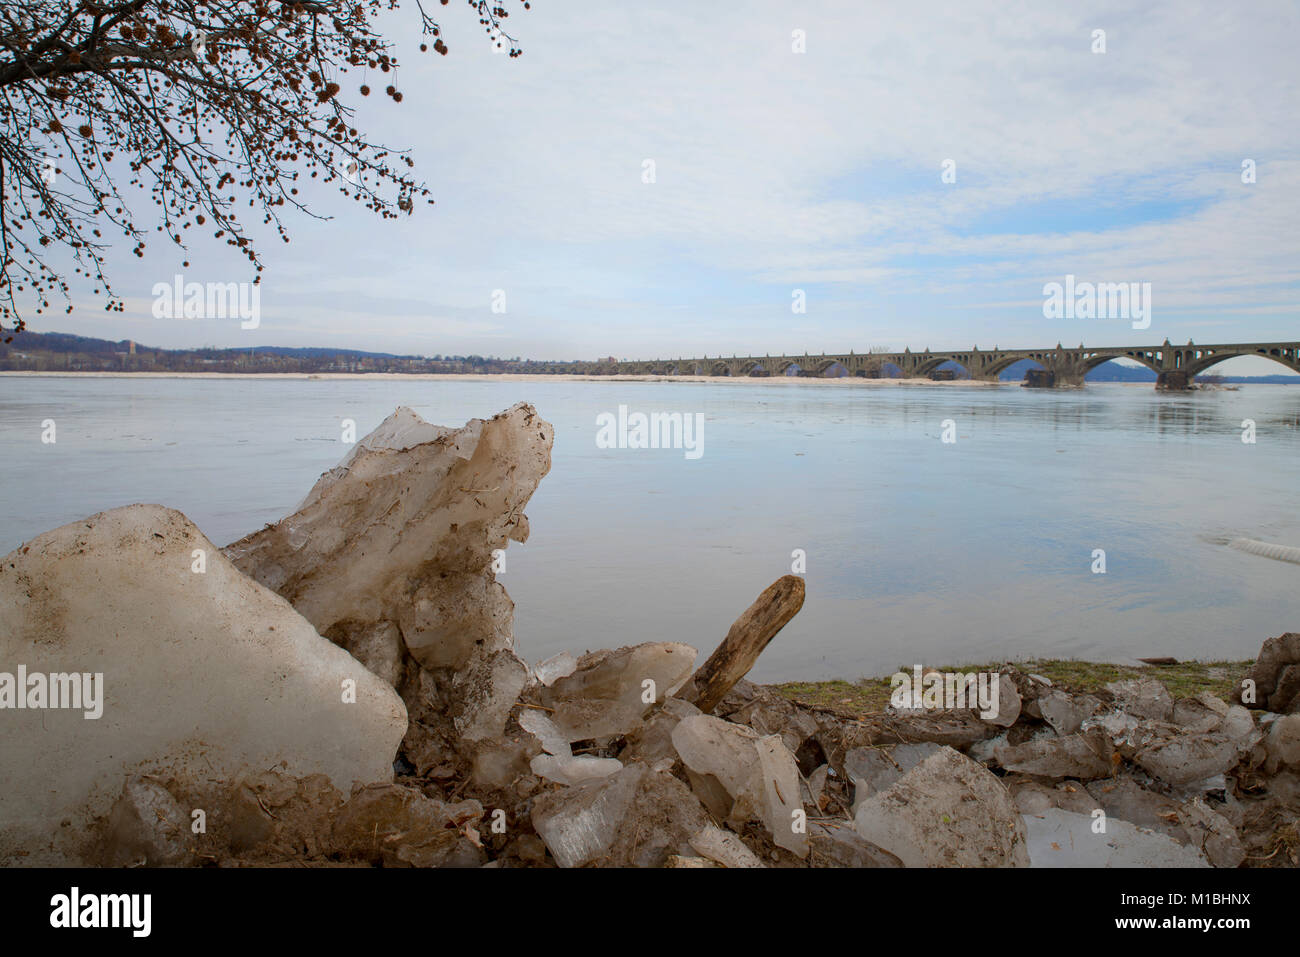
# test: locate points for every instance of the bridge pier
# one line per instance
(1173, 380)
(1068, 377)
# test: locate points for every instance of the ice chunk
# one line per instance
(580, 823)
(1058, 838)
(1143, 698)
(404, 530)
(1283, 743)
(842, 846)
(1085, 756)
(1118, 726)
(654, 739)
(1192, 714)
(1066, 712)
(1186, 758)
(1275, 676)
(742, 776)
(567, 769)
(377, 645)
(1239, 725)
(874, 769)
(203, 675)
(556, 667)
(484, 693)
(1007, 708)
(544, 730)
(146, 826)
(724, 847)
(610, 691)
(947, 811)
(636, 817)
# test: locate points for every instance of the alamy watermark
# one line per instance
(128, 911)
(931, 689)
(1102, 300)
(213, 300)
(58, 690)
(657, 430)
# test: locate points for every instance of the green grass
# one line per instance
(1183, 680)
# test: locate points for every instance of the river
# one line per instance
(918, 550)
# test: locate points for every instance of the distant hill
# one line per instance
(62, 343)
(60, 352)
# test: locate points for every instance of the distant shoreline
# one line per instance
(506, 377)
(840, 381)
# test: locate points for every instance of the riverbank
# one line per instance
(1133, 745)
(1184, 680)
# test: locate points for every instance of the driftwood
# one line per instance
(745, 641)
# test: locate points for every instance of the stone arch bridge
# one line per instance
(1176, 367)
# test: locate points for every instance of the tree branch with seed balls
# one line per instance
(202, 106)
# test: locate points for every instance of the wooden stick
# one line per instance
(745, 641)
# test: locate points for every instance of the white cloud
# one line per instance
(777, 169)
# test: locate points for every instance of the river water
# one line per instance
(917, 550)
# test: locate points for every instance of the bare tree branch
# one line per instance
(203, 105)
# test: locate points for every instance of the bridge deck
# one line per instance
(1069, 365)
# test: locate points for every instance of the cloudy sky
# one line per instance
(821, 171)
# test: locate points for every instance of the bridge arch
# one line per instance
(995, 369)
(1287, 357)
(931, 363)
(720, 367)
(1021, 364)
(1143, 356)
(831, 369)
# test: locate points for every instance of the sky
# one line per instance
(778, 171)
